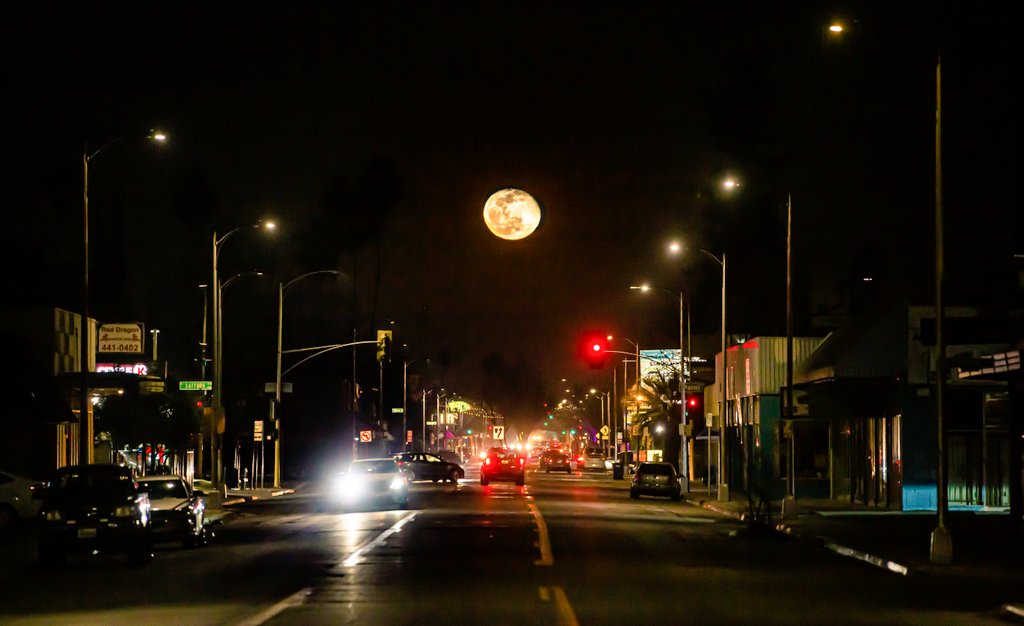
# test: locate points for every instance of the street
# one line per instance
(564, 549)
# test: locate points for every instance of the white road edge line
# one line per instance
(356, 557)
(546, 558)
(296, 599)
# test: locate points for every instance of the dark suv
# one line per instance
(90, 508)
(503, 464)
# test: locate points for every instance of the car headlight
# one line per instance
(54, 516)
(397, 483)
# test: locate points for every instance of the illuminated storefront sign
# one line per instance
(138, 369)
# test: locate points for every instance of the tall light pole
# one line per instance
(274, 418)
(156, 336)
(218, 357)
(684, 450)
(85, 429)
(723, 457)
(405, 399)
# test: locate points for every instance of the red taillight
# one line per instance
(522, 461)
(487, 461)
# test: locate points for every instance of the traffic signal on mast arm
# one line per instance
(594, 349)
(694, 405)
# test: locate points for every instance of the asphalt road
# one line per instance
(564, 549)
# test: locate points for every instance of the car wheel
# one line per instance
(454, 476)
(521, 480)
(633, 494)
(484, 481)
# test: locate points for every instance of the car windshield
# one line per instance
(164, 488)
(382, 466)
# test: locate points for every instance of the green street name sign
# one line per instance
(195, 385)
(397, 409)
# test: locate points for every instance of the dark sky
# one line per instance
(375, 133)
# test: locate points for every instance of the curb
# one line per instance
(828, 544)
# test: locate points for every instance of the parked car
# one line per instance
(503, 464)
(656, 479)
(17, 501)
(89, 508)
(372, 482)
(177, 512)
(556, 460)
(426, 466)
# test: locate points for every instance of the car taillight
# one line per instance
(579, 459)
(522, 461)
(487, 461)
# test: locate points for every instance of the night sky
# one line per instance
(374, 133)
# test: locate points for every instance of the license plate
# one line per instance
(504, 462)
(86, 533)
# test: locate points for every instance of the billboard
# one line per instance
(121, 338)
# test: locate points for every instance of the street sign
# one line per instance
(605, 430)
(257, 430)
(271, 388)
(408, 436)
(397, 409)
(366, 436)
(121, 338)
(195, 385)
(499, 432)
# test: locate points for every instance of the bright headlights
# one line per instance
(397, 483)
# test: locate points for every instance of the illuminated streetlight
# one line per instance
(85, 432)
(218, 356)
(836, 28)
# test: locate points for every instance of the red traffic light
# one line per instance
(692, 402)
(594, 349)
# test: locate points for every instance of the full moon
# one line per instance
(511, 214)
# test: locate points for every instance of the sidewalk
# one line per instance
(218, 504)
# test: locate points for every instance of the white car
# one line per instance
(177, 513)
(372, 481)
(16, 498)
(592, 459)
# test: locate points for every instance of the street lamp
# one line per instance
(85, 430)
(684, 451)
(274, 419)
(218, 360)
(723, 484)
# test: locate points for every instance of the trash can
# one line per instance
(617, 473)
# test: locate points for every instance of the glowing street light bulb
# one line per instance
(270, 225)
(675, 247)
(730, 184)
(836, 28)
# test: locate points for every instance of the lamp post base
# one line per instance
(941, 546)
(789, 508)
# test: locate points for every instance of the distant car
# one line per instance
(592, 459)
(655, 479)
(89, 508)
(429, 467)
(177, 511)
(372, 481)
(17, 501)
(503, 464)
(555, 460)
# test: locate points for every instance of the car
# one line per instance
(592, 459)
(94, 508)
(655, 479)
(556, 460)
(503, 464)
(177, 512)
(372, 482)
(17, 499)
(426, 466)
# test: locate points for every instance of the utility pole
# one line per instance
(789, 506)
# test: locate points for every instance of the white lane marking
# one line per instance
(544, 543)
(296, 599)
(356, 557)
(566, 616)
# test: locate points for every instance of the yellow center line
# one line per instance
(566, 616)
(544, 541)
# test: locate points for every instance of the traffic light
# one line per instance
(384, 345)
(594, 349)
(694, 405)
